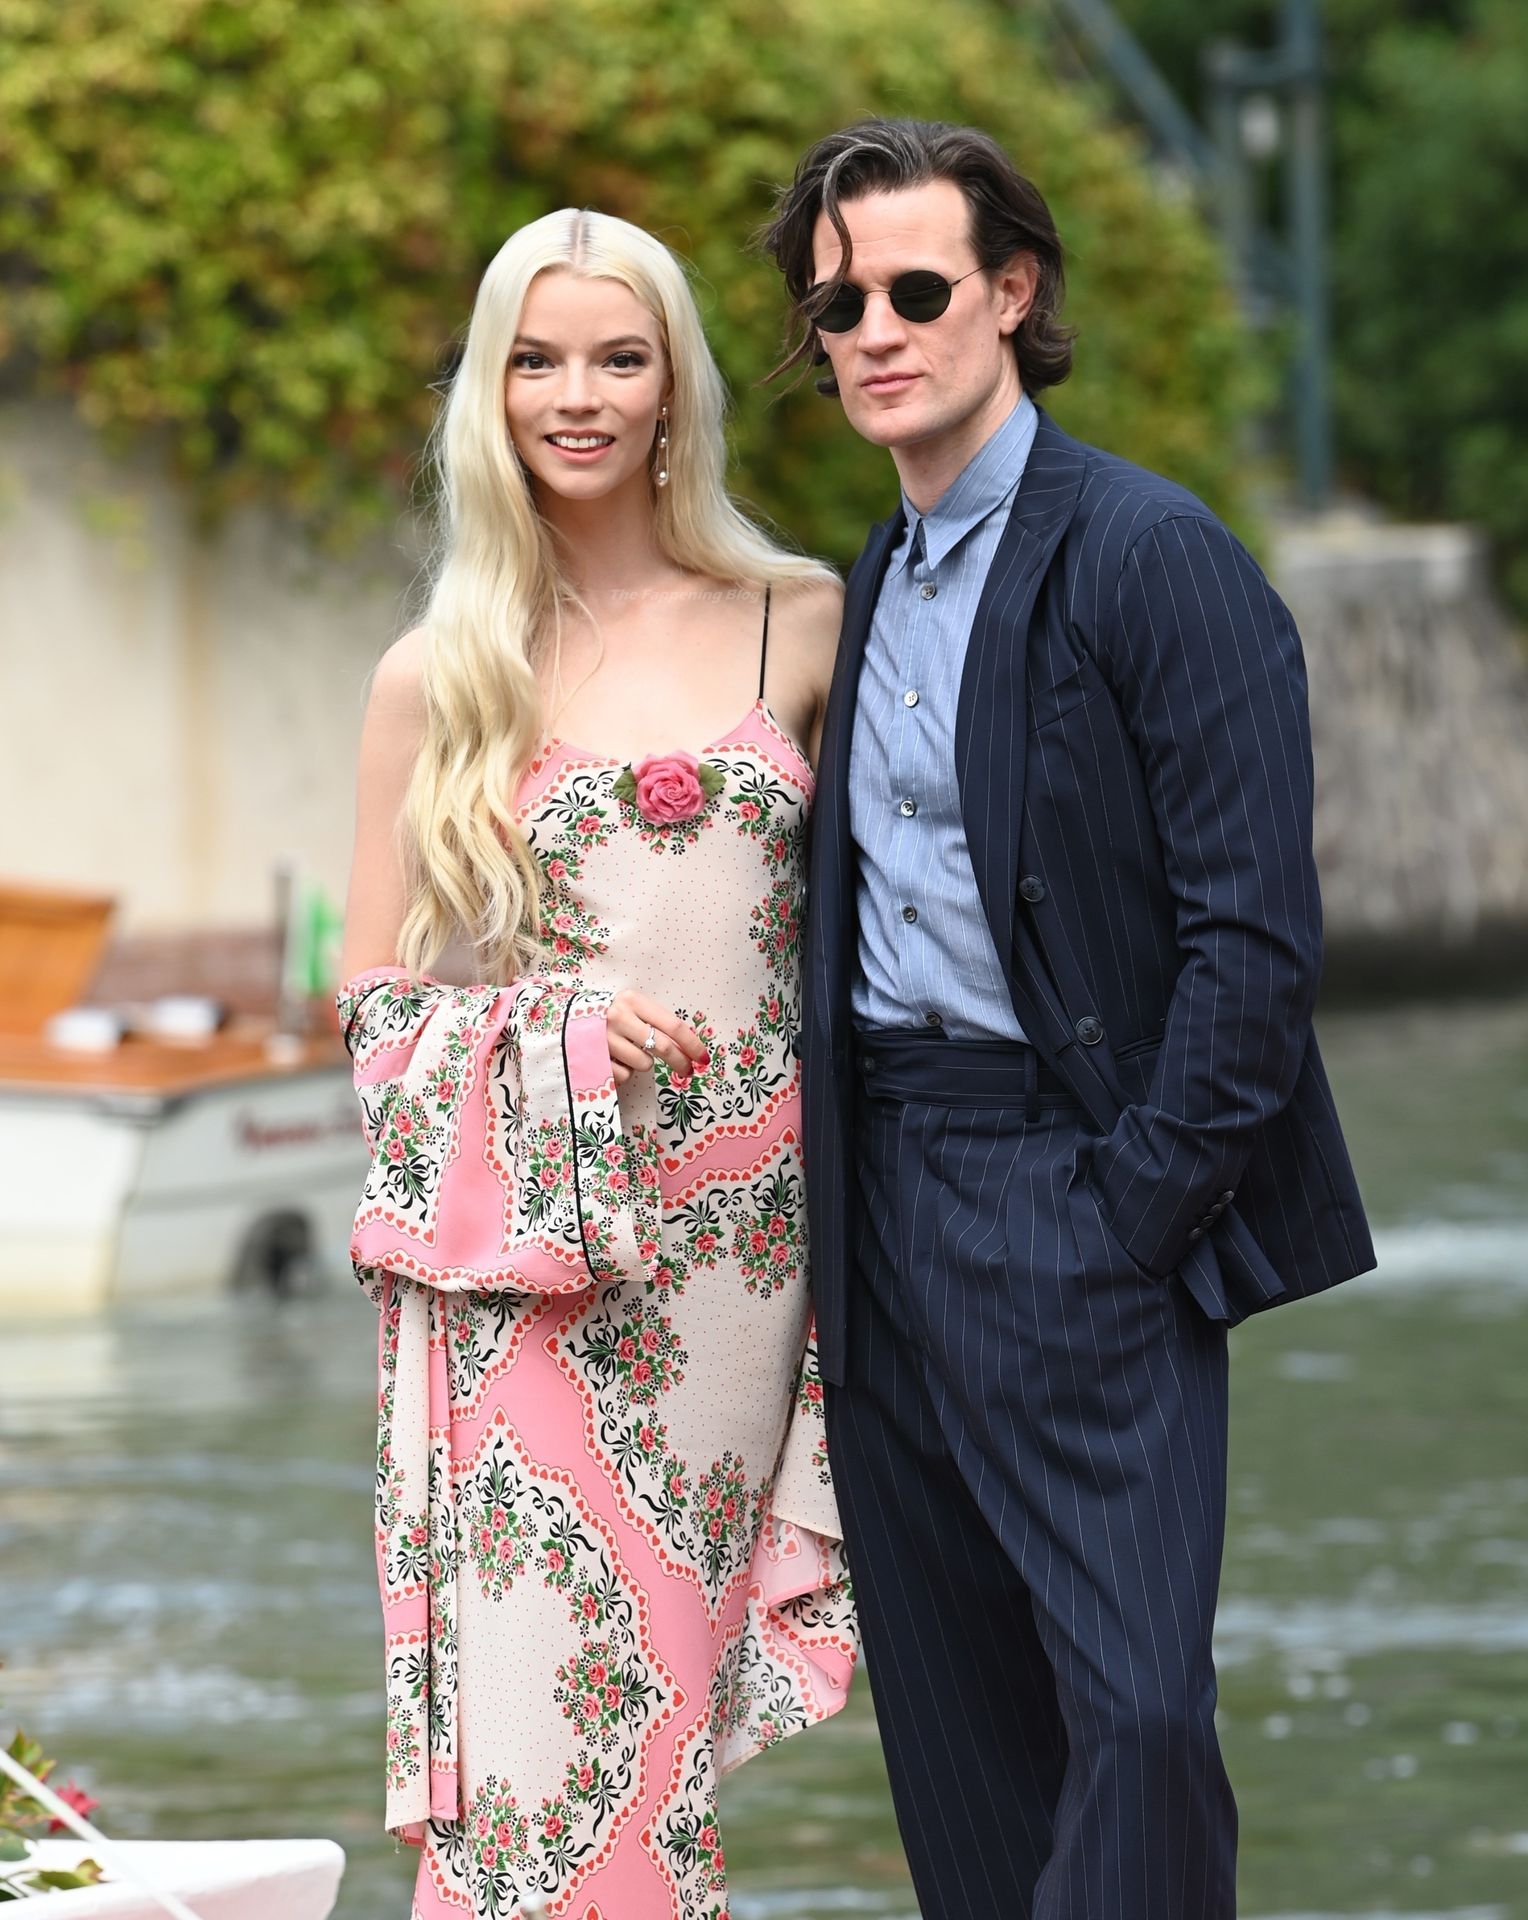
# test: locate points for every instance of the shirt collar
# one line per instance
(988, 478)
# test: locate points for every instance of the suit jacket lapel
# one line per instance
(991, 715)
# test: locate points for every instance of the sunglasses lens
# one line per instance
(843, 312)
(920, 296)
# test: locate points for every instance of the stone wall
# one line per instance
(1419, 713)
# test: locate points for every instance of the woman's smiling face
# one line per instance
(586, 378)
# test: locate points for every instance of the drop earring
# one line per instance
(663, 450)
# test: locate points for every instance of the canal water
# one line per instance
(188, 1617)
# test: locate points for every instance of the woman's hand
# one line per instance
(632, 1017)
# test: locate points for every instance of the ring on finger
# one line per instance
(650, 1044)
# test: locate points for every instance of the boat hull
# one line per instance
(118, 1197)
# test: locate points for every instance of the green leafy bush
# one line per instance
(255, 226)
(1432, 279)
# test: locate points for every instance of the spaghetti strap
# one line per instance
(764, 642)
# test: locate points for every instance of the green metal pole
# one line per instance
(1306, 179)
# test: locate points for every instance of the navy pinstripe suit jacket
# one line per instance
(1133, 752)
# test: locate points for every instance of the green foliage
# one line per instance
(1429, 249)
(1433, 279)
(21, 1816)
(255, 226)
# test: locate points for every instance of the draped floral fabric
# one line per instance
(607, 1539)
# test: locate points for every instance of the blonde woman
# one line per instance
(607, 1541)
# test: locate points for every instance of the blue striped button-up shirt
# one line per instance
(925, 949)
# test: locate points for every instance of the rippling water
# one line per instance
(188, 1616)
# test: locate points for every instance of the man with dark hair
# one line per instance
(1065, 1117)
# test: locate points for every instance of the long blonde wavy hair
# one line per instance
(498, 591)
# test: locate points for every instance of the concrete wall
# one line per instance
(177, 713)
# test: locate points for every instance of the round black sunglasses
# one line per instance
(920, 295)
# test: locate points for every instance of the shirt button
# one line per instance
(933, 1019)
(909, 914)
(927, 590)
(908, 808)
(910, 698)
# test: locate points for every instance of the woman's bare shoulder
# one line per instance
(812, 603)
(398, 678)
(808, 614)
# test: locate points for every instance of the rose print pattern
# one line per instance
(393, 1009)
(759, 1700)
(485, 1330)
(761, 1066)
(667, 797)
(390, 1476)
(635, 1355)
(700, 1228)
(546, 1199)
(570, 936)
(408, 1551)
(494, 1526)
(498, 1840)
(809, 1409)
(611, 1690)
(672, 836)
(685, 1836)
(406, 1167)
(601, 1691)
(404, 1745)
(764, 809)
(776, 924)
(572, 820)
(767, 1239)
(727, 1514)
(689, 1103)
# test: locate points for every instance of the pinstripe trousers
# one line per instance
(1029, 1452)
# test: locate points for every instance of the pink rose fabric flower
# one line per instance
(668, 787)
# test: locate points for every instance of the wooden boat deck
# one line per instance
(163, 1068)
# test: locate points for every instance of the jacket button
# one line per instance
(1032, 888)
(1090, 1029)
(1196, 1233)
(796, 1046)
(1228, 1196)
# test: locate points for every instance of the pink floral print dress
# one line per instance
(608, 1544)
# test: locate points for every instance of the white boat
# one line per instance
(157, 1165)
(217, 1879)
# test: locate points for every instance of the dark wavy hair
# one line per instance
(1008, 217)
